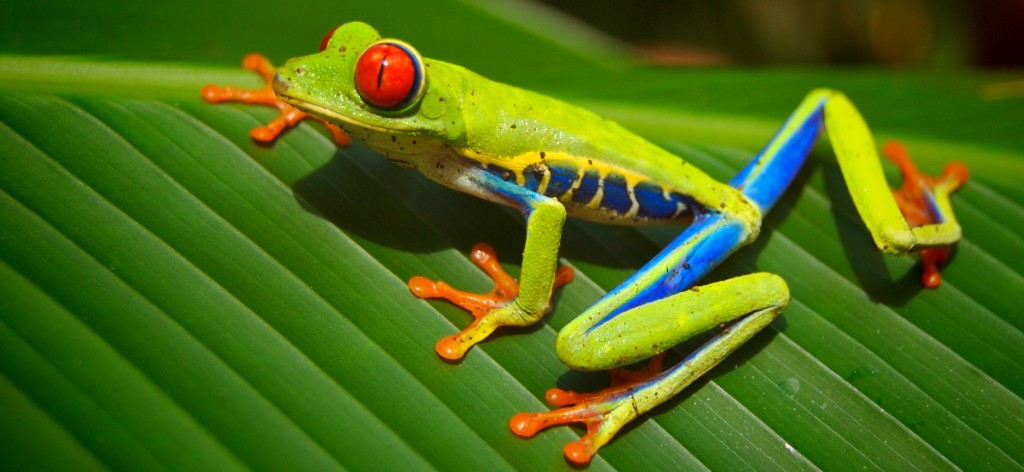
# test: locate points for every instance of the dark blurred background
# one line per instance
(902, 33)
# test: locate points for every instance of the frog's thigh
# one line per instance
(648, 329)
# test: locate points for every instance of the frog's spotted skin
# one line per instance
(551, 160)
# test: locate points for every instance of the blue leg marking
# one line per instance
(705, 244)
(765, 179)
(713, 236)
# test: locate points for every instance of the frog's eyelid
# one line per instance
(327, 38)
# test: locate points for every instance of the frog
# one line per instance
(550, 160)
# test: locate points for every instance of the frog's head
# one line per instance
(371, 87)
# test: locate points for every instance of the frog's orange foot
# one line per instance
(526, 425)
(480, 305)
(603, 412)
(916, 199)
(289, 115)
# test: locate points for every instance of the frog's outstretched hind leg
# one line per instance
(916, 218)
(771, 172)
(858, 159)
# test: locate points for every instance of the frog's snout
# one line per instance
(280, 84)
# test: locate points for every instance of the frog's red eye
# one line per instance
(389, 75)
(327, 38)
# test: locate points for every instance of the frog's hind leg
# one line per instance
(771, 172)
(649, 314)
(919, 219)
(755, 300)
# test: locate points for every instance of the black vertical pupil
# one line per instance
(380, 71)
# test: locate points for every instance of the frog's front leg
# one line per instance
(509, 303)
(289, 116)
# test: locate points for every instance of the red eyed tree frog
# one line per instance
(550, 160)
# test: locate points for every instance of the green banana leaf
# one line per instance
(175, 296)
